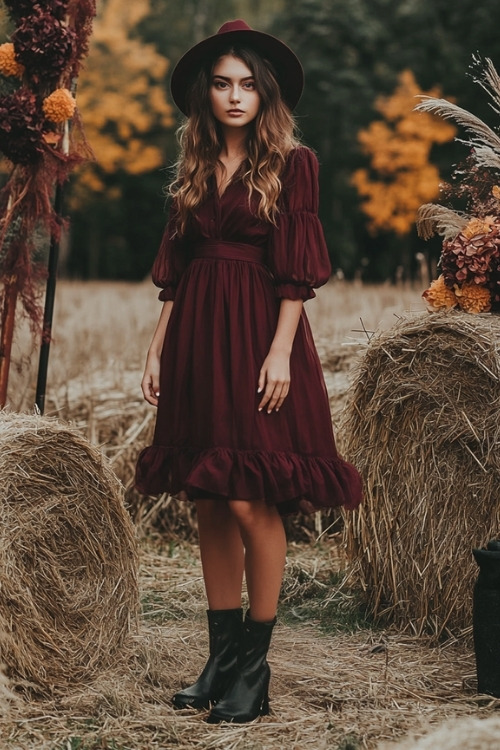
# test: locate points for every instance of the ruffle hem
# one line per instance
(292, 482)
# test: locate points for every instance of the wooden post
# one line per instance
(7, 333)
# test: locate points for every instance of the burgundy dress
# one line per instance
(227, 275)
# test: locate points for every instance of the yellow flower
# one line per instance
(478, 226)
(473, 298)
(59, 106)
(439, 296)
(8, 63)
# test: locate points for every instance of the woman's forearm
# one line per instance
(288, 321)
(159, 335)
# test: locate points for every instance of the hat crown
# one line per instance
(237, 25)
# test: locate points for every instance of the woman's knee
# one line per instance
(252, 513)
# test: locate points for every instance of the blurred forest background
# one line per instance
(365, 61)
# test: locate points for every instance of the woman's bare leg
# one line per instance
(222, 554)
(264, 540)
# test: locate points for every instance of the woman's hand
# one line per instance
(151, 379)
(274, 377)
(274, 380)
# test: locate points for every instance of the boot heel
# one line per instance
(265, 710)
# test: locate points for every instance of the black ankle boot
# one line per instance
(248, 694)
(224, 628)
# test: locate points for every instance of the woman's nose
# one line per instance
(235, 94)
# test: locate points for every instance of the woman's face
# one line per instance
(235, 100)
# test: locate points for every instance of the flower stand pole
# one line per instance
(7, 333)
(50, 292)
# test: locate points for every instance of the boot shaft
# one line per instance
(223, 625)
(255, 642)
(247, 695)
(225, 633)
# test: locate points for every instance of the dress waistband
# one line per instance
(225, 250)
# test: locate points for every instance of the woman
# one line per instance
(243, 425)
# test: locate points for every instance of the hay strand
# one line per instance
(68, 560)
(422, 427)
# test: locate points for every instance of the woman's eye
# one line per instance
(220, 84)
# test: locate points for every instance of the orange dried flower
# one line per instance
(439, 296)
(476, 227)
(8, 63)
(495, 191)
(59, 106)
(473, 298)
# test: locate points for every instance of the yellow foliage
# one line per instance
(121, 94)
(399, 148)
(89, 180)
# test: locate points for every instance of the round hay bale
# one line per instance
(422, 425)
(471, 733)
(68, 558)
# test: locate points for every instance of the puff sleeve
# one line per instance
(298, 255)
(170, 261)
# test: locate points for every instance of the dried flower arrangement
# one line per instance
(38, 68)
(470, 257)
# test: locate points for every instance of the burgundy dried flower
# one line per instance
(471, 259)
(21, 127)
(22, 8)
(44, 45)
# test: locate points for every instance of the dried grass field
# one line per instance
(339, 681)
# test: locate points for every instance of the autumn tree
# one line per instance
(121, 92)
(123, 100)
(401, 177)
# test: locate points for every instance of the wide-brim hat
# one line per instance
(285, 62)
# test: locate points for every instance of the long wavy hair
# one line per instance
(271, 137)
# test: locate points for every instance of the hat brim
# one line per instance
(289, 72)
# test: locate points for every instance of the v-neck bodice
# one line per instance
(237, 174)
(228, 216)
